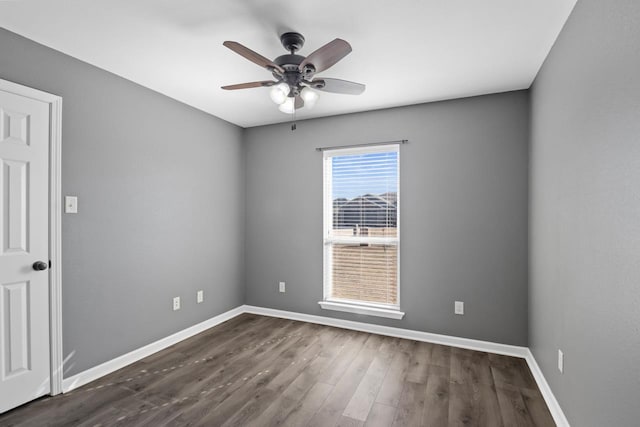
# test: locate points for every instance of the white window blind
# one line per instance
(361, 227)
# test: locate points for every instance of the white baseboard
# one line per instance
(491, 347)
(120, 362)
(547, 394)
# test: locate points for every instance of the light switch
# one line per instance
(71, 204)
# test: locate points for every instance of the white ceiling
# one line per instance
(405, 51)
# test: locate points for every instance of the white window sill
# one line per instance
(362, 309)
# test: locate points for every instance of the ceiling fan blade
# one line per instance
(338, 86)
(264, 83)
(299, 102)
(327, 55)
(252, 56)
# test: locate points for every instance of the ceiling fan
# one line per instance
(295, 78)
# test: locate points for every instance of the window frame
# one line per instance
(339, 304)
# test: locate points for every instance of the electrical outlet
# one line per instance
(560, 361)
(176, 303)
(282, 287)
(459, 307)
(199, 296)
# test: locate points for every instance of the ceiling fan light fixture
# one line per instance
(309, 96)
(288, 106)
(279, 93)
(295, 83)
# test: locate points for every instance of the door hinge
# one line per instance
(49, 264)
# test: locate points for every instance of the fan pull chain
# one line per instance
(293, 115)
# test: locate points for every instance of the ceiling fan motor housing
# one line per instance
(289, 62)
(292, 75)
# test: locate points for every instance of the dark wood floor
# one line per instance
(262, 371)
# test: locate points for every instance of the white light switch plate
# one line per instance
(71, 204)
(459, 307)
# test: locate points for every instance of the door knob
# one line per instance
(40, 265)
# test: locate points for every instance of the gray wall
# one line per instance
(585, 214)
(464, 202)
(160, 206)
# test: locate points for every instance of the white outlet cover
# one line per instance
(282, 287)
(176, 303)
(459, 307)
(200, 297)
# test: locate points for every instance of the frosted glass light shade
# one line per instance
(279, 93)
(309, 96)
(287, 106)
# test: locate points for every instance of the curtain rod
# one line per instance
(369, 144)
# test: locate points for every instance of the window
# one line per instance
(361, 230)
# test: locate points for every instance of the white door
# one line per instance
(24, 241)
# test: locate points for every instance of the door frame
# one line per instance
(55, 225)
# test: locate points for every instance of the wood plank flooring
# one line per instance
(262, 371)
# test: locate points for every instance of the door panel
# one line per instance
(14, 127)
(24, 239)
(16, 316)
(14, 195)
